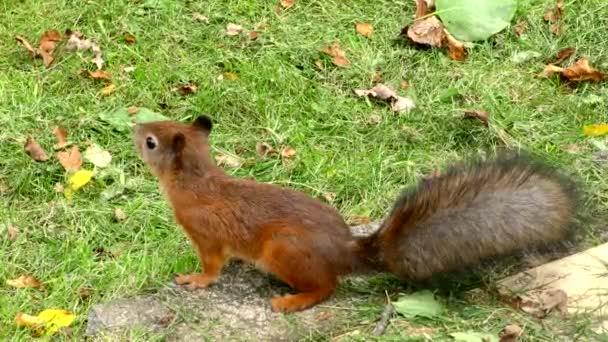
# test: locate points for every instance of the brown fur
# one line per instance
(448, 222)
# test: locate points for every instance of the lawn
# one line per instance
(356, 153)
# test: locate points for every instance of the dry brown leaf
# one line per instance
(555, 13)
(187, 89)
(24, 281)
(120, 214)
(132, 110)
(263, 149)
(510, 333)
(403, 104)
(404, 84)
(287, 3)
(62, 135)
(34, 150)
(76, 41)
(84, 292)
(455, 47)
(47, 46)
(377, 77)
(480, 115)
(428, 31)
(563, 54)
(233, 29)
(58, 187)
(12, 232)
(520, 28)
(108, 90)
(199, 17)
(382, 92)
(319, 65)
(339, 57)
(71, 161)
(357, 220)
(556, 29)
(577, 72)
(129, 38)
(364, 29)
(329, 196)
(288, 152)
(229, 161)
(230, 75)
(26, 44)
(99, 75)
(253, 35)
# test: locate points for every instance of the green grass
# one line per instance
(279, 98)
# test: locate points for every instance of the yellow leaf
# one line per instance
(49, 321)
(595, 130)
(77, 181)
(107, 90)
(24, 281)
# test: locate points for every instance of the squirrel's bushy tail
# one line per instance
(473, 212)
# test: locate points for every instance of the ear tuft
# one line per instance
(179, 141)
(203, 123)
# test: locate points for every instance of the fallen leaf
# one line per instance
(382, 92)
(227, 160)
(47, 46)
(319, 65)
(471, 21)
(418, 304)
(428, 31)
(34, 150)
(339, 58)
(554, 13)
(364, 29)
(329, 196)
(129, 38)
(99, 74)
(27, 45)
(403, 104)
(357, 220)
(510, 333)
(108, 90)
(263, 149)
(199, 17)
(253, 35)
(132, 110)
(61, 134)
(455, 47)
(97, 156)
(187, 89)
(120, 214)
(520, 27)
(24, 281)
(12, 232)
(58, 187)
(376, 77)
(77, 181)
(473, 336)
(404, 85)
(76, 41)
(230, 75)
(288, 152)
(556, 29)
(71, 160)
(84, 292)
(480, 115)
(48, 321)
(287, 3)
(233, 29)
(595, 130)
(563, 54)
(579, 71)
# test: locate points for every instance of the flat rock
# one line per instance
(235, 308)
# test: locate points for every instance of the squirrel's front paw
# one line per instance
(194, 281)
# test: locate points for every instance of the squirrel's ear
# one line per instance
(204, 124)
(179, 141)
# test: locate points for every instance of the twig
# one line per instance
(385, 318)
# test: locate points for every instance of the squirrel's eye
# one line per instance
(150, 143)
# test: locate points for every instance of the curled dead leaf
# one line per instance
(76, 41)
(12, 232)
(24, 281)
(263, 149)
(199, 17)
(364, 29)
(428, 31)
(554, 13)
(563, 54)
(287, 3)
(99, 75)
(47, 46)
(404, 84)
(84, 292)
(339, 57)
(27, 45)
(253, 35)
(33, 149)
(456, 49)
(382, 92)
(120, 214)
(227, 160)
(288, 152)
(233, 29)
(132, 110)
(129, 38)
(61, 134)
(71, 161)
(579, 71)
(520, 28)
(186, 89)
(510, 333)
(480, 115)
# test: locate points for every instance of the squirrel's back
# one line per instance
(472, 213)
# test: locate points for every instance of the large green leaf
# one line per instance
(422, 304)
(473, 20)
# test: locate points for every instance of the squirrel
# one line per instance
(459, 218)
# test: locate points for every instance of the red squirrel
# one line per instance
(463, 216)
